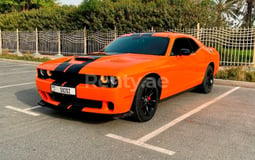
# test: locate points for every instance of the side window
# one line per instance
(179, 44)
(186, 43)
(194, 45)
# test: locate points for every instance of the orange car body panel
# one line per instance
(177, 73)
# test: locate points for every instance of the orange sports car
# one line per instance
(130, 75)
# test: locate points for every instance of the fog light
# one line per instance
(110, 106)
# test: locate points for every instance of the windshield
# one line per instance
(139, 45)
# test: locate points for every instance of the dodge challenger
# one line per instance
(130, 75)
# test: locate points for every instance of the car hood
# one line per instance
(112, 65)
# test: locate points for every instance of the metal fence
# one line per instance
(236, 46)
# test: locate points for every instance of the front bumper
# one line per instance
(89, 98)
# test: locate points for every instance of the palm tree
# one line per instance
(227, 11)
(246, 7)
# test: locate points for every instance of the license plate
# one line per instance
(63, 90)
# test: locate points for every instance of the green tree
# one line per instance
(8, 6)
(22, 5)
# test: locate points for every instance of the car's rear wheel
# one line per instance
(146, 100)
(208, 81)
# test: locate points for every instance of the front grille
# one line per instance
(73, 78)
(78, 104)
(68, 77)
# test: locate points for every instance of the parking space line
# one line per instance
(16, 85)
(22, 111)
(144, 145)
(186, 115)
(141, 141)
(11, 73)
(35, 107)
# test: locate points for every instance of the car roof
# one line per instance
(158, 34)
(170, 35)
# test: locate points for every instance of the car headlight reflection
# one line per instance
(104, 79)
(108, 81)
(49, 73)
(114, 81)
(42, 72)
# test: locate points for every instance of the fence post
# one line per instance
(17, 39)
(36, 43)
(59, 45)
(85, 40)
(253, 61)
(115, 32)
(152, 29)
(1, 50)
(198, 31)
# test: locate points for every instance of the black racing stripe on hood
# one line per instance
(75, 68)
(63, 66)
(72, 73)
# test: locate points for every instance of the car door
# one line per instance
(184, 69)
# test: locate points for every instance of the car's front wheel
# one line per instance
(146, 100)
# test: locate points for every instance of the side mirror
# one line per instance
(185, 51)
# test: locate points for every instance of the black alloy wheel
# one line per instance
(146, 100)
(208, 81)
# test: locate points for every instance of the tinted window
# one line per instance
(181, 43)
(194, 45)
(138, 44)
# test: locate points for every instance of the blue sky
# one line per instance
(73, 2)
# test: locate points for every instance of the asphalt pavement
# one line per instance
(190, 125)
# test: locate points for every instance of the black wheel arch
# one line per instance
(212, 64)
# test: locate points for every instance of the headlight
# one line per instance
(104, 79)
(44, 74)
(108, 81)
(114, 81)
(49, 73)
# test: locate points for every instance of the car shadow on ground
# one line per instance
(31, 98)
(78, 116)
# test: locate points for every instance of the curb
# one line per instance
(234, 83)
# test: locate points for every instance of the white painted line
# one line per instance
(181, 118)
(11, 73)
(22, 111)
(35, 107)
(144, 145)
(16, 85)
(127, 140)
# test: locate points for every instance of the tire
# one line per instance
(208, 81)
(146, 100)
